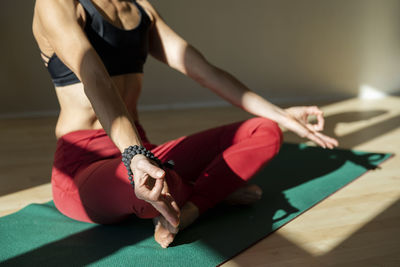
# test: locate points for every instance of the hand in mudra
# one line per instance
(150, 186)
(297, 121)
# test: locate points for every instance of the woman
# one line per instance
(95, 51)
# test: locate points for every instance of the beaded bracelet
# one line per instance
(131, 151)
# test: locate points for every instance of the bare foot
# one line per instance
(164, 232)
(245, 195)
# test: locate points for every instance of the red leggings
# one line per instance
(90, 183)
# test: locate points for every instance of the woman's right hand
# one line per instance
(150, 186)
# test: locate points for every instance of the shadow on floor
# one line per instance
(375, 244)
(358, 137)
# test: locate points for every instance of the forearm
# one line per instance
(110, 108)
(231, 89)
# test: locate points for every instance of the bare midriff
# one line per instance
(76, 112)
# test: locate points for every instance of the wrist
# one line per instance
(136, 159)
(139, 152)
(133, 154)
(132, 151)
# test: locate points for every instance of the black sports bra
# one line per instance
(122, 51)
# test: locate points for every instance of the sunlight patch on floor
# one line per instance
(360, 212)
(13, 202)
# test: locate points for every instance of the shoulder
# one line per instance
(54, 21)
(50, 12)
(150, 10)
(50, 7)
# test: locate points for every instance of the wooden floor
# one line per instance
(357, 226)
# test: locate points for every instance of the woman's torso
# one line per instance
(76, 112)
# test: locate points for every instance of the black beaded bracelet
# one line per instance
(131, 151)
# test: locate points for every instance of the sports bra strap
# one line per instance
(92, 10)
(89, 7)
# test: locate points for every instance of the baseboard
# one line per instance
(30, 114)
(311, 100)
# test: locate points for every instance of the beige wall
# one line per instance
(283, 49)
(24, 84)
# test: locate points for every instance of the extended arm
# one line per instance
(170, 48)
(60, 25)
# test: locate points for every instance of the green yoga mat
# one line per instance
(298, 178)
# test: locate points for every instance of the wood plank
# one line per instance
(357, 226)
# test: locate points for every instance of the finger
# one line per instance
(172, 203)
(139, 177)
(315, 127)
(331, 142)
(316, 139)
(327, 141)
(168, 197)
(165, 189)
(320, 122)
(314, 110)
(152, 170)
(148, 188)
(319, 126)
(155, 192)
(166, 210)
(305, 131)
(142, 191)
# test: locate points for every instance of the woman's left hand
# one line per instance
(304, 112)
(297, 120)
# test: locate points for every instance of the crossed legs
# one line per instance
(90, 183)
